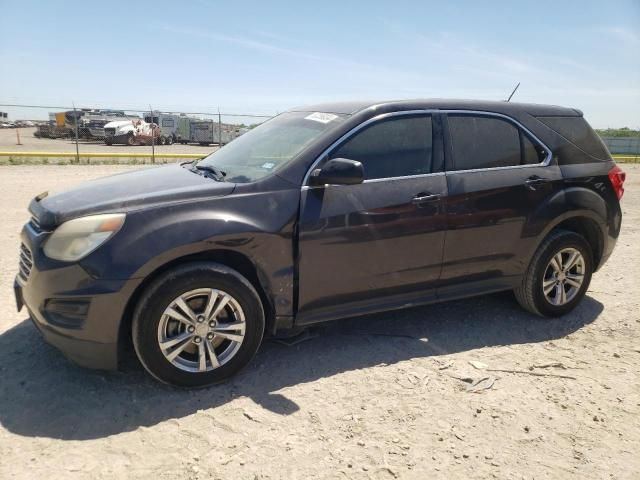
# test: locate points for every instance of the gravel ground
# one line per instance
(375, 397)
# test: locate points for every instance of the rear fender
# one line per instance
(574, 202)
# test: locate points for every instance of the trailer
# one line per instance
(169, 126)
(183, 132)
(206, 132)
(56, 127)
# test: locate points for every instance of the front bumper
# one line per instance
(97, 132)
(76, 313)
(117, 139)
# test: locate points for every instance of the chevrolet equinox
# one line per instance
(323, 212)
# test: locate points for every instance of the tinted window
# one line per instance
(531, 153)
(483, 142)
(391, 148)
(578, 132)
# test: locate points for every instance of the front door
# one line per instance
(378, 244)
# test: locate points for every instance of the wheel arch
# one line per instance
(229, 258)
(585, 223)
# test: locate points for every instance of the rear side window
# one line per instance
(488, 142)
(396, 147)
(578, 132)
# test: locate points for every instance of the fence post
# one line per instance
(75, 122)
(153, 136)
(219, 129)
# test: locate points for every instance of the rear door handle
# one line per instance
(422, 198)
(532, 182)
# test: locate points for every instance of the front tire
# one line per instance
(558, 276)
(198, 325)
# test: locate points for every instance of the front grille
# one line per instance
(110, 131)
(26, 262)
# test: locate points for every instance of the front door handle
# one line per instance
(422, 198)
(532, 182)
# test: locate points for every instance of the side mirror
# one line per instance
(338, 171)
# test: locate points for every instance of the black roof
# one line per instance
(439, 103)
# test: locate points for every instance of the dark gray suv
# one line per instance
(322, 212)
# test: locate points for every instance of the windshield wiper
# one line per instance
(215, 172)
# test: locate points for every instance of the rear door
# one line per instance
(369, 246)
(498, 176)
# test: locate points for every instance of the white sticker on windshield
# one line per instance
(321, 117)
(268, 165)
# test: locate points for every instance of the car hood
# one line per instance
(125, 192)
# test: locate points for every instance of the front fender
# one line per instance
(257, 226)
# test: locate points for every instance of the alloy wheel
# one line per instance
(201, 330)
(563, 276)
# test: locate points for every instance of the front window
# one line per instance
(396, 147)
(268, 147)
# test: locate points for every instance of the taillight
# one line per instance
(617, 178)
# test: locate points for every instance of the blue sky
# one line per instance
(265, 57)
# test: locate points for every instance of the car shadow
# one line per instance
(44, 395)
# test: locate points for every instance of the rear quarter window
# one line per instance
(577, 131)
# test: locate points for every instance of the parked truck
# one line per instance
(131, 132)
(93, 122)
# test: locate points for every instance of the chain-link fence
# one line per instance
(623, 145)
(81, 134)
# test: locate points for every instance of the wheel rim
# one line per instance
(201, 330)
(564, 276)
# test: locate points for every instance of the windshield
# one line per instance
(270, 146)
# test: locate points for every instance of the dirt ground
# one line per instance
(371, 398)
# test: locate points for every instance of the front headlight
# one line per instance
(78, 237)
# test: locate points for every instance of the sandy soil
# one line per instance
(376, 397)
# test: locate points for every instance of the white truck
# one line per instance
(131, 132)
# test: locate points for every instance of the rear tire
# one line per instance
(552, 285)
(218, 342)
